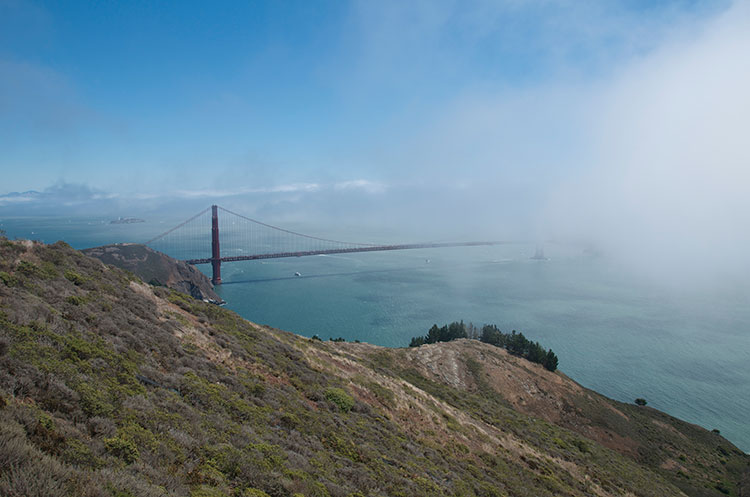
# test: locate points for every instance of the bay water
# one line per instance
(686, 352)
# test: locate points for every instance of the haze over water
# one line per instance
(685, 351)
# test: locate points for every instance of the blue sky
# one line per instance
(154, 96)
(612, 121)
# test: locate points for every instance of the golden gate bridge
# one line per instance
(240, 238)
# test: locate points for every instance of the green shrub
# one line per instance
(180, 299)
(382, 393)
(74, 278)
(582, 446)
(254, 492)
(265, 456)
(339, 397)
(723, 488)
(204, 491)
(45, 421)
(78, 453)
(28, 269)
(124, 449)
(289, 420)
(8, 279)
(49, 270)
(75, 300)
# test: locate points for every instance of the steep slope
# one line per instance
(691, 457)
(156, 268)
(113, 387)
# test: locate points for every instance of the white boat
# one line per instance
(297, 273)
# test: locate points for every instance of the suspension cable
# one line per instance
(289, 231)
(179, 226)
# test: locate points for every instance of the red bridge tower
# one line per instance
(215, 252)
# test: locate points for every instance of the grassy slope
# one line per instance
(111, 387)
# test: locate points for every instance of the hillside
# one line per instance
(113, 387)
(156, 268)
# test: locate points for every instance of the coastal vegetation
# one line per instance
(111, 387)
(515, 343)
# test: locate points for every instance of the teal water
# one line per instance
(686, 352)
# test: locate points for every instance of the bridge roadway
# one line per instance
(372, 248)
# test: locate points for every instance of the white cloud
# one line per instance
(293, 187)
(217, 193)
(667, 188)
(361, 184)
(5, 200)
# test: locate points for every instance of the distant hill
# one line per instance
(156, 268)
(112, 387)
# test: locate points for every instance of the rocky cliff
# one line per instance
(156, 268)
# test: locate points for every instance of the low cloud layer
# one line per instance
(62, 198)
(668, 161)
(648, 160)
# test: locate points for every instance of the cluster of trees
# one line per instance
(519, 345)
(447, 333)
(515, 343)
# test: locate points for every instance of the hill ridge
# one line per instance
(232, 408)
(156, 268)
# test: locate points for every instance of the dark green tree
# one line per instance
(456, 331)
(536, 353)
(550, 361)
(435, 334)
(493, 336)
(515, 343)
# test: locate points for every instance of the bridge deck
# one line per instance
(373, 248)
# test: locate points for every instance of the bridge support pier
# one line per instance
(215, 251)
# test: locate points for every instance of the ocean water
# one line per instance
(686, 352)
